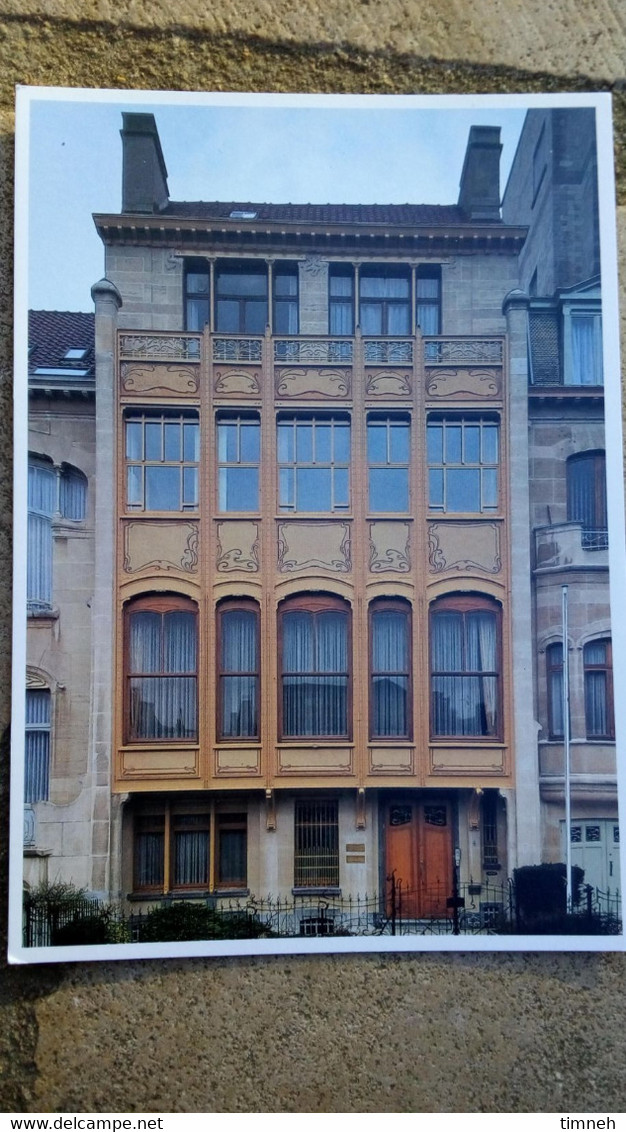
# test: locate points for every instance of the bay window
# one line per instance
(315, 667)
(385, 300)
(465, 667)
(463, 458)
(388, 457)
(161, 669)
(313, 463)
(238, 670)
(162, 454)
(597, 657)
(390, 669)
(238, 455)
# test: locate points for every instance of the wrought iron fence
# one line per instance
(460, 909)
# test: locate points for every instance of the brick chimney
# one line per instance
(144, 176)
(479, 192)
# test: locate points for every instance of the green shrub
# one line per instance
(179, 921)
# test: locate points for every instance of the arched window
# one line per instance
(161, 669)
(390, 669)
(554, 672)
(53, 491)
(37, 745)
(586, 498)
(465, 667)
(315, 665)
(238, 670)
(598, 662)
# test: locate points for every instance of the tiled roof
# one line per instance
(404, 215)
(51, 334)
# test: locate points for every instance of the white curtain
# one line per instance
(37, 746)
(390, 665)
(596, 690)
(315, 680)
(162, 706)
(191, 850)
(586, 342)
(239, 651)
(149, 859)
(464, 702)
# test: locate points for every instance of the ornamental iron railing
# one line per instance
(388, 351)
(322, 350)
(160, 347)
(237, 349)
(463, 351)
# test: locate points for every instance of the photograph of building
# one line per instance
(304, 493)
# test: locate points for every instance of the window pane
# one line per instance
(285, 283)
(377, 443)
(232, 863)
(149, 849)
(255, 317)
(153, 441)
(341, 285)
(389, 706)
(490, 488)
(250, 441)
(398, 318)
(191, 857)
(227, 441)
(316, 844)
(227, 316)
(341, 443)
(428, 318)
(472, 444)
(285, 442)
(162, 488)
(435, 444)
(197, 283)
(371, 318)
(304, 443)
(172, 440)
(133, 440)
(435, 487)
(341, 481)
(323, 444)
(463, 489)
(239, 707)
(286, 488)
(190, 487)
(242, 283)
(399, 443)
(341, 318)
(389, 489)
(197, 314)
(163, 707)
(453, 444)
(238, 489)
(313, 487)
(427, 288)
(191, 447)
(490, 444)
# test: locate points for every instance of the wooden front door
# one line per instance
(419, 853)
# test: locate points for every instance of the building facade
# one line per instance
(324, 563)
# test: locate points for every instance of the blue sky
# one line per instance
(382, 150)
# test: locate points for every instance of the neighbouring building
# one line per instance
(296, 577)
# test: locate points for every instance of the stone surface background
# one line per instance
(423, 1033)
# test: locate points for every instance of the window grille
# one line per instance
(317, 845)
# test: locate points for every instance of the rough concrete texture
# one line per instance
(425, 1033)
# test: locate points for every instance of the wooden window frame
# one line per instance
(389, 419)
(235, 605)
(316, 418)
(225, 267)
(285, 268)
(607, 669)
(463, 604)
(160, 416)
(237, 417)
(392, 605)
(163, 814)
(162, 604)
(428, 271)
(196, 267)
(553, 667)
(387, 271)
(315, 604)
(341, 271)
(465, 420)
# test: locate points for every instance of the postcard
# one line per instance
(319, 511)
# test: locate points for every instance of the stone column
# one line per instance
(524, 845)
(104, 872)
